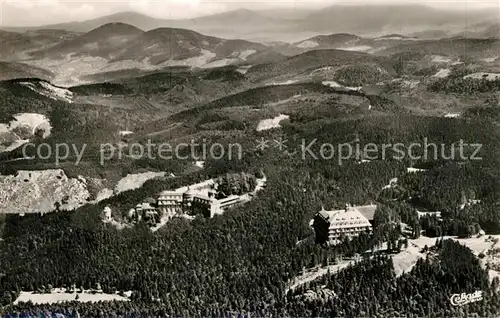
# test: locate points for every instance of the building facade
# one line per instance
(147, 211)
(331, 226)
(170, 202)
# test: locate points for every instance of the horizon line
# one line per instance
(260, 11)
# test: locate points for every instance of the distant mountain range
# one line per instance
(126, 43)
(13, 44)
(293, 26)
(116, 46)
(377, 20)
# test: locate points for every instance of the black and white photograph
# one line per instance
(249, 158)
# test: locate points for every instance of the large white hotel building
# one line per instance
(330, 226)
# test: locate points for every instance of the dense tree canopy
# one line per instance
(243, 261)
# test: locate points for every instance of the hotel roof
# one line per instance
(368, 211)
(170, 192)
(145, 206)
(351, 217)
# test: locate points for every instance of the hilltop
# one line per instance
(309, 61)
(16, 45)
(116, 47)
(104, 41)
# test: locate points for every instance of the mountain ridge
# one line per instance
(249, 24)
(118, 46)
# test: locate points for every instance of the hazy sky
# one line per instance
(40, 12)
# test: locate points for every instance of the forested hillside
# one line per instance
(240, 262)
(200, 167)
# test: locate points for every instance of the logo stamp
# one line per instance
(464, 299)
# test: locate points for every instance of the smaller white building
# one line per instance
(146, 211)
(106, 214)
(218, 206)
